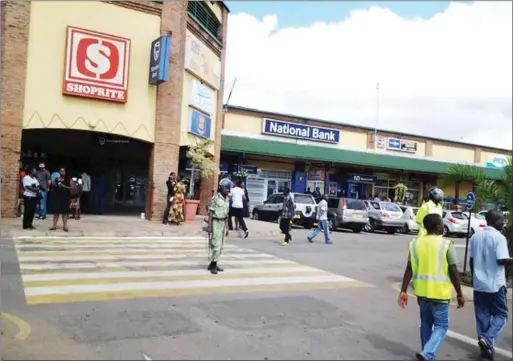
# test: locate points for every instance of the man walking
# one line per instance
(218, 224)
(322, 221)
(488, 256)
(432, 205)
(45, 179)
(287, 213)
(238, 196)
(432, 265)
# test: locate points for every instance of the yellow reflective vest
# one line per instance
(428, 207)
(428, 258)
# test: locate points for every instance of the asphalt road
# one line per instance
(261, 307)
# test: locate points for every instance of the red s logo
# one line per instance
(97, 59)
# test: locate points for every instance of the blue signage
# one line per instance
(471, 200)
(159, 60)
(300, 131)
(357, 178)
(200, 124)
(497, 162)
(394, 144)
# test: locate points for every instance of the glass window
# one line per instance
(279, 199)
(303, 199)
(390, 207)
(271, 199)
(355, 204)
(415, 210)
(333, 202)
(375, 205)
(204, 16)
(459, 215)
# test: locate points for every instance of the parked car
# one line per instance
(455, 223)
(348, 213)
(409, 219)
(477, 222)
(270, 209)
(386, 216)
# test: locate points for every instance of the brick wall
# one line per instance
(207, 185)
(166, 150)
(15, 33)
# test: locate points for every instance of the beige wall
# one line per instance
(454, 154)
(201, 61)
(47, 107)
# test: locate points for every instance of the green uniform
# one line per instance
(219, 206)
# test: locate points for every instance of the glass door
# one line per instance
(271, 187)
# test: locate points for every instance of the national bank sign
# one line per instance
(300, 131)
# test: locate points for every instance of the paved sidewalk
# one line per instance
(125, 226)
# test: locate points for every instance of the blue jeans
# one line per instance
(324, 226)
(42, 205)
(434, 323)
(491, 311)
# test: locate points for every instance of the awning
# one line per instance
(271, 148)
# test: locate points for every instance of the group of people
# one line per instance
(55, 194)
(432, 265)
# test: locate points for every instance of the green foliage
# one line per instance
(400, 193)
(201, 158)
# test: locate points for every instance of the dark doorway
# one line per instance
(118, 165)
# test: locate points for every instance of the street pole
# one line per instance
(377, 119)
(466, 244)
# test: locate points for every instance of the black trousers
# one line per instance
(84, 203)
(285, 228)
(165, 217)
(238, 213)
(30, 204)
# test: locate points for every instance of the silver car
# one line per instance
(349, 213)
(455, 223)
(409, 219)
(386, 216)
(270, 209)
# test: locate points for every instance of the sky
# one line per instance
(444, 68)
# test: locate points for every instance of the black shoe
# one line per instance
(219, 269)
(213, 269)
(486, 351)
(246, 234)
(419, 357)
(210, 266)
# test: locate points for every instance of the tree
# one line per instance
(459, 173)
(201, 158)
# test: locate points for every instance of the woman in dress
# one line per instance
(176, 214)
(59, 200)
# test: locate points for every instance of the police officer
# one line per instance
(218, 210)
(433, 205)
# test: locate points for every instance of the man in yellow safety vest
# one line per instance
(432, 205)
(432, 265)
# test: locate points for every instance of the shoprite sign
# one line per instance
(300, 131)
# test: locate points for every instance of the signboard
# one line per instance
(202, 97)
(96, 65)
(202, 61)
(497, 162)
(402, 145)
(300, 131)
(316, 175)
(250, 169)
(159, 60)
(200, 124)
(356, 178)
(381, 142)
(471, 200)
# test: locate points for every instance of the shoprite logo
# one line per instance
(96, 65)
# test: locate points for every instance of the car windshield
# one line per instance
(415, 210)
(303, 199)
(479, 216)
(391, 207)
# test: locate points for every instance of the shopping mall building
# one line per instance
(113, 89)
(280, 150)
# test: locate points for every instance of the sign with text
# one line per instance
(96, 65)
(357, 178)
(202, 97)
(202, 61)
(159, 60)
(497, 162)
(402, 145)
(316, 175)
(200, 124)
(300, 131)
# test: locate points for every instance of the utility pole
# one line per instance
(377, 119)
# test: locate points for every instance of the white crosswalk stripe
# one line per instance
(57, 270)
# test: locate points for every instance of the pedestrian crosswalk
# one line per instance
(67, 269)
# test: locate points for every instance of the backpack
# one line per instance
(75, 190)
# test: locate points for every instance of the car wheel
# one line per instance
(357, 230)
(366, 228)
(446, 231)
(332, 224)
(391, 231)
(372, 226)
(256, 216)
(405, 229)
(308, 225)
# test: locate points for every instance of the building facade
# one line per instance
(280, 150)
(114, 89)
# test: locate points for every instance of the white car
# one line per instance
(477, 222)
(409, 218)
(455, 223)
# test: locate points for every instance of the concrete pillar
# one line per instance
(15, 18)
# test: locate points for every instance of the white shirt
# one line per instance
(237, 195)
(29, 181)
(87, 182)
(322, 214)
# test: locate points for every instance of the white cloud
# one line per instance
(449, 76)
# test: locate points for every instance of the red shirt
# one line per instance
(22, 174)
